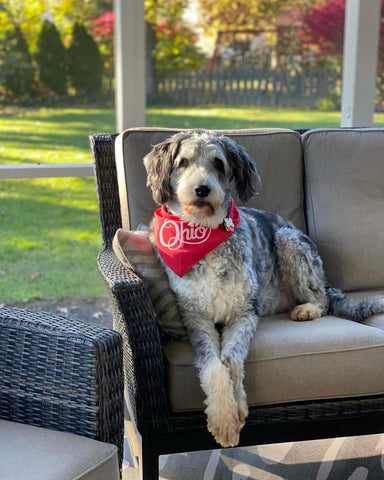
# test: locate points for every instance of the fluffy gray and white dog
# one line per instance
(266, 266)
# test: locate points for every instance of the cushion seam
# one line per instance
(315, 131)
(229, 133)
(94, 467)
(326, 352)
(308, 191)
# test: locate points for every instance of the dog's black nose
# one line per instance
(202, 191)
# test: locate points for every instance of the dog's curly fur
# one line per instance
(266, 266)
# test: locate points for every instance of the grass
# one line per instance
(50, 227)
(246, 117)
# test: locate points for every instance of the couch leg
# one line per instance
(148, 461)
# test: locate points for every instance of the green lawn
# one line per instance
(246, 117)
(50, 227)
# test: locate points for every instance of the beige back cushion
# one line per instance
(345, 204)
(277, 153)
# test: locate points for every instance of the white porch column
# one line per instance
(361, 39)
(130, 96)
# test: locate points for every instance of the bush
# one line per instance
(330, 103)
(85, 63)
(51, 59)
(17, 72)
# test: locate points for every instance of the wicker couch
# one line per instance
(304, 380)
(61, 398)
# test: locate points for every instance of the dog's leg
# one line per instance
(236, 337)
(302, 270)
(222, 412)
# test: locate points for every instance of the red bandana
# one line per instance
(182, 244)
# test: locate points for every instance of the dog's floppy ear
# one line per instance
(159, 164)
(245, 173)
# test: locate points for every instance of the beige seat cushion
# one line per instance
(277, 153)
(345, 204)
(294, 361)
(34, 453)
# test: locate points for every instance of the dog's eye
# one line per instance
(184, 162)
(219, 165)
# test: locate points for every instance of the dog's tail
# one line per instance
(340, 305)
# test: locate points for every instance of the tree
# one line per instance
(17, 71)
(85, 64)
(236, 23)
(323, 33)
(68, 12)
(323, 29)
(232, 15)
(170, 43)
(175, 46)
(51, 59)
(102, 31)
(28, 15)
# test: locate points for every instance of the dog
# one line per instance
(264, 265)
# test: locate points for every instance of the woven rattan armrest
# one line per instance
(135, 320)
(61, 374)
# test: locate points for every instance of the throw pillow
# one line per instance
(134, 250)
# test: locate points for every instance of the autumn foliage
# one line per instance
(103, 25)
(175, 46)
(323, 28)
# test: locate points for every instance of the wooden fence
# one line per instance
(251, 86)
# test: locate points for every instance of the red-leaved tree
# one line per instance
(323, 28)
(102, 31)
(323, 32)
(103, 25)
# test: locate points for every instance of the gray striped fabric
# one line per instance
(134, 250)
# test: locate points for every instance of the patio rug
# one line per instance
(352, 458)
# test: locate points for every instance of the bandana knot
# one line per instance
(182, 244)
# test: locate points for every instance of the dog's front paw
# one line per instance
(242, 409)
(306, 311)
(225, 428)
(235, 369)
(222, 410)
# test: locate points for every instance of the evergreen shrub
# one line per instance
(17, 71)
(85, 63)
(51, 58)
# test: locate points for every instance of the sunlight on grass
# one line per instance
(51, 240)
(247, 117)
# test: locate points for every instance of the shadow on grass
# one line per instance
(50, 240)
(51, 130)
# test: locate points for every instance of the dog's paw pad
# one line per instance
(304, 312)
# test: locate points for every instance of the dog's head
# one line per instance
(192, 172)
